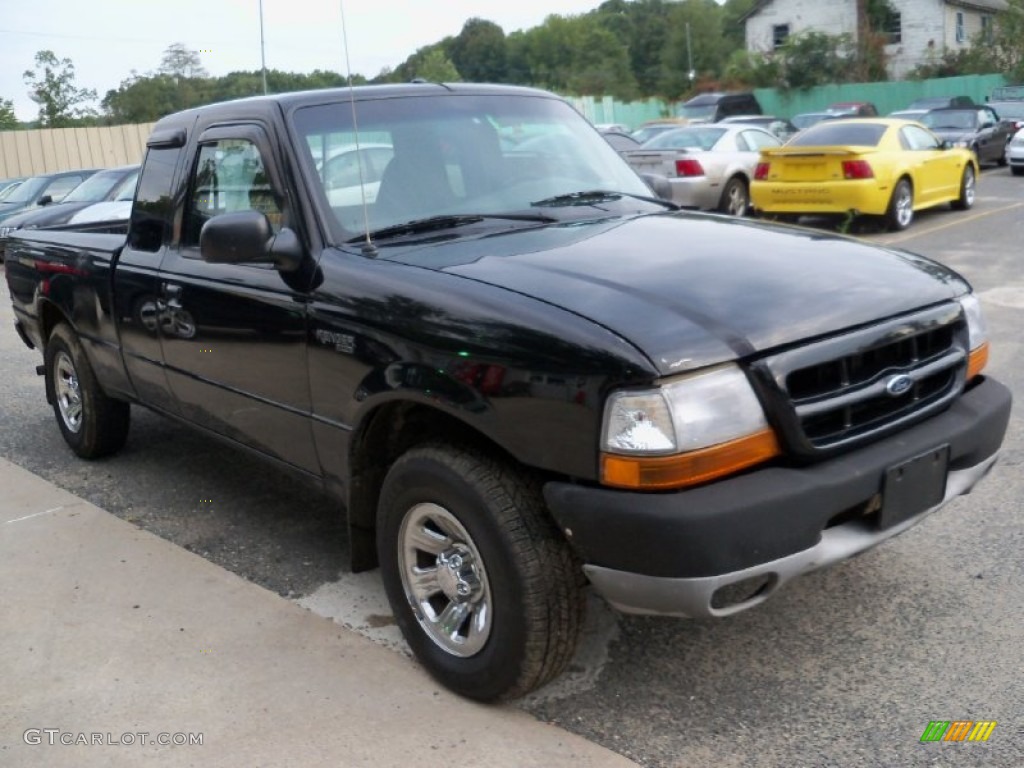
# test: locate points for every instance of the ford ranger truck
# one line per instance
(457, 310)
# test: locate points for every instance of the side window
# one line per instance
(153, 207)
(229, 176)
(919, 139)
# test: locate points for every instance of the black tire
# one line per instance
(735, 198)
(481, 524)
(1002, 161)
(92, 423)
(1017, 171)
(968, 189)
(900, 213)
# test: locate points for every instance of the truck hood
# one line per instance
(690, 290)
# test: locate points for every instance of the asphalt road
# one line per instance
(842, 668)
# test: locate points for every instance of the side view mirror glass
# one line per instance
(246, 237)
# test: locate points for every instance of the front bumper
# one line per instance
(679, 553)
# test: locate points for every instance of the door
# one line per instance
(935, 175)
(234, 336)
(137, 301)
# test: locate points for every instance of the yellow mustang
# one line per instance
(882, 167)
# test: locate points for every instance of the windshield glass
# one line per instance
(95, 188)
(9, 189)
(1009, 110)
(27, 190)
(687, 138)
(959, 120)
(705, 112)
(454, 154)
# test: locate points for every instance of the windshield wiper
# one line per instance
(448, 221)
(592, 196)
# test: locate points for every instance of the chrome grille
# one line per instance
(850, 389)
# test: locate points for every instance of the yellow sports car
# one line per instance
(873, 166)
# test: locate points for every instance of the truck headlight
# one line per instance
(687, 431)
(977, 335)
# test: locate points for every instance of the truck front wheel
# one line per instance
(92, 423)
(483, 587)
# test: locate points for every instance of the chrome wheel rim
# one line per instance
(68, 392)
(444, 580)
(737, 201)
(969, 186)
(904, 206)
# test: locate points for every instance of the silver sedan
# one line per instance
(1015, 153)
(706, 166)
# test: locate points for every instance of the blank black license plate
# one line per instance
(914, 486)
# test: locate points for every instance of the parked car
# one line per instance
(652, 128)
(979, 129)
(807, 119)
(38, 191)
(875, 166)
(9, 185)
(1015, 153)
(708, 167)
(853, 109)
(941, 102)
(111, 184)
(1010, 111)
(712, 107)
(113, 210)
(780, 126)
(515, 374)
(342, 173)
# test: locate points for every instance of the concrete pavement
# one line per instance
(114, 641)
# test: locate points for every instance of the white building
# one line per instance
(922, 30)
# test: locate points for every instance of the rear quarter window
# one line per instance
(827, 134)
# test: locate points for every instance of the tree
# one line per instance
(478, 52)
(52, 86)
(8, 120)
(179, 61)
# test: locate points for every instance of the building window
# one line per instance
(894, 28)
(961, 33)
(779, 34)
(986, 28)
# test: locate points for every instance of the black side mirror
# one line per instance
(246, 237)
(45, 200)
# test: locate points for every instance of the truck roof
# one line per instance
(256, 106)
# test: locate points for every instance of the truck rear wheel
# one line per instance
(92, 423)
(484, 588)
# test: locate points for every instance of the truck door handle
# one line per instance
(171, 290)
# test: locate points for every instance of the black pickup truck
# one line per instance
(457, 310)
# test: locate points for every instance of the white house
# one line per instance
(921, 30)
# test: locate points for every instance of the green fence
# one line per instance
(888, 97)
(607, 110)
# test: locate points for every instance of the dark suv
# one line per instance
(712, 107)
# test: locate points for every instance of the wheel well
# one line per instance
(384, 435)
(49, 316)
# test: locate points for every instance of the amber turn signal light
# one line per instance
(691, 468)
(977, 360)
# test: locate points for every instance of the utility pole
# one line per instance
(689, 55)
(263, 51)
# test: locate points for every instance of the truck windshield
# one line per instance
(440, 155)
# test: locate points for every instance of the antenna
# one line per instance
(369, 249)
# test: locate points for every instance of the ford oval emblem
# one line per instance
(899, 385)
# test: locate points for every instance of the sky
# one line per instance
(107, 39)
